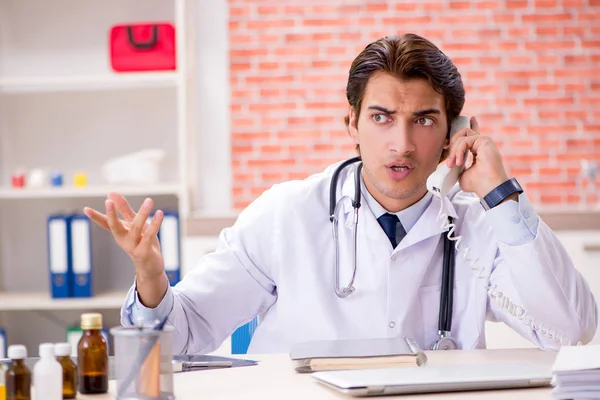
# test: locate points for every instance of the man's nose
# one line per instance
(401, 140)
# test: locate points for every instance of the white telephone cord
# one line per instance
(504, 301)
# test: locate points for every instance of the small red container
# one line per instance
(18, 180)
(143, 47)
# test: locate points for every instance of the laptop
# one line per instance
(432, 379)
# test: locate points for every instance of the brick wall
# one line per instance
(531, 70)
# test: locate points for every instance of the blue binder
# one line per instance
(168, 236)
(241, 337)
(59, 256)
(3, 343)
(81, 255)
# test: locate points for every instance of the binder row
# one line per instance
(70, 253)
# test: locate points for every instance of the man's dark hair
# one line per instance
(406, 57)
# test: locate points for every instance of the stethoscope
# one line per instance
(445, 341)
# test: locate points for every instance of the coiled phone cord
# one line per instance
(503, 301)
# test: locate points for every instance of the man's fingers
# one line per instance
(475, 125)
(152, 230)
(122, 206)
(465, 143)
(97, 217)
(138, 223)
(116, 227)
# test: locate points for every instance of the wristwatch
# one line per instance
(500, 193)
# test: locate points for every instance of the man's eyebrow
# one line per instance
(382, 109)
(427, 111)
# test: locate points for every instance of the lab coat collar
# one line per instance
(429, 223)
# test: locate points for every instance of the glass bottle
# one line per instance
(18, 375)
(63, 356)
(92, 356)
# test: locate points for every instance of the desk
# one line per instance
(274, 378)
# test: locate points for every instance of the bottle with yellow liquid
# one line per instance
(92, 356)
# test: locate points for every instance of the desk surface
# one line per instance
(274, 378)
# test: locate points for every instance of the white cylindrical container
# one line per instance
(47, 375)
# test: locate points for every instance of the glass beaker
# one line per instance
(143, 363)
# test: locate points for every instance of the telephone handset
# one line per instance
(443, 179)
(439, 183)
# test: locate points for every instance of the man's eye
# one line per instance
(425, 121)
(380, 118)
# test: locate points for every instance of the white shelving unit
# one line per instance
(23, 301)
(62, 108)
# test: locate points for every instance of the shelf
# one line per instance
(42, 301)
(115, 81)
(89, 191)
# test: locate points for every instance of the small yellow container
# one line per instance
(80, 179)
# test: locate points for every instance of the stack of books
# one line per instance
(576, 373)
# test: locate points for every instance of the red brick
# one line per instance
(460, 5)
(424, 19)
(269, 79)
(402, 6)
(511, 4)
(269, 24)
(250, 136)
(545, 3)
(433, 6)
(266, 107)
(593, 16)
(377, 7)
(268, 10)
(547, 17)
(551, 199)
(504, 18)
(547, 87)
(461, 20)
(271, 149)
(551, 45)
(574, 30)
(268, 66)
(547, 30)
(239, 11)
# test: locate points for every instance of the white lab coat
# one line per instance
(277, 261)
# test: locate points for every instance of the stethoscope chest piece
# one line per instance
(444, 343)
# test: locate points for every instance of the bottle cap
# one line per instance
(17, 352)
(62, 349)
(91, 321)
(47, 350)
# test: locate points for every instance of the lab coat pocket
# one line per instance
(465, 317)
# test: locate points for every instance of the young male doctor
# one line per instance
(278, 260)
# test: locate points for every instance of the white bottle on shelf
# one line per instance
(47, 375)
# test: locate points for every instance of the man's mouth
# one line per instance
(400, 168)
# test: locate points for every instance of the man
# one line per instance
(278, 261)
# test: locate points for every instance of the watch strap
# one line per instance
(500, 193)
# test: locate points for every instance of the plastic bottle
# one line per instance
(47, 375)
(92, 356)
(18, 376)
(69, 382)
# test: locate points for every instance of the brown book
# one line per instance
(328, 355)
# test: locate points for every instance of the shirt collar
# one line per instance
(408, 217)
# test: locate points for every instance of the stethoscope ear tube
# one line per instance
(333, 185)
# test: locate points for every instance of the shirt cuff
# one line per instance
(515, 223)
(141, 313)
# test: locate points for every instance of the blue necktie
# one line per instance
(388, 223)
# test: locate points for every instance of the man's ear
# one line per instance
(352, 128)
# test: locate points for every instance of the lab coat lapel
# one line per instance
(429, 224)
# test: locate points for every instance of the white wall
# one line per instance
(213, 165)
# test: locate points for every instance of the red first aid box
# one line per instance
(142, 47)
